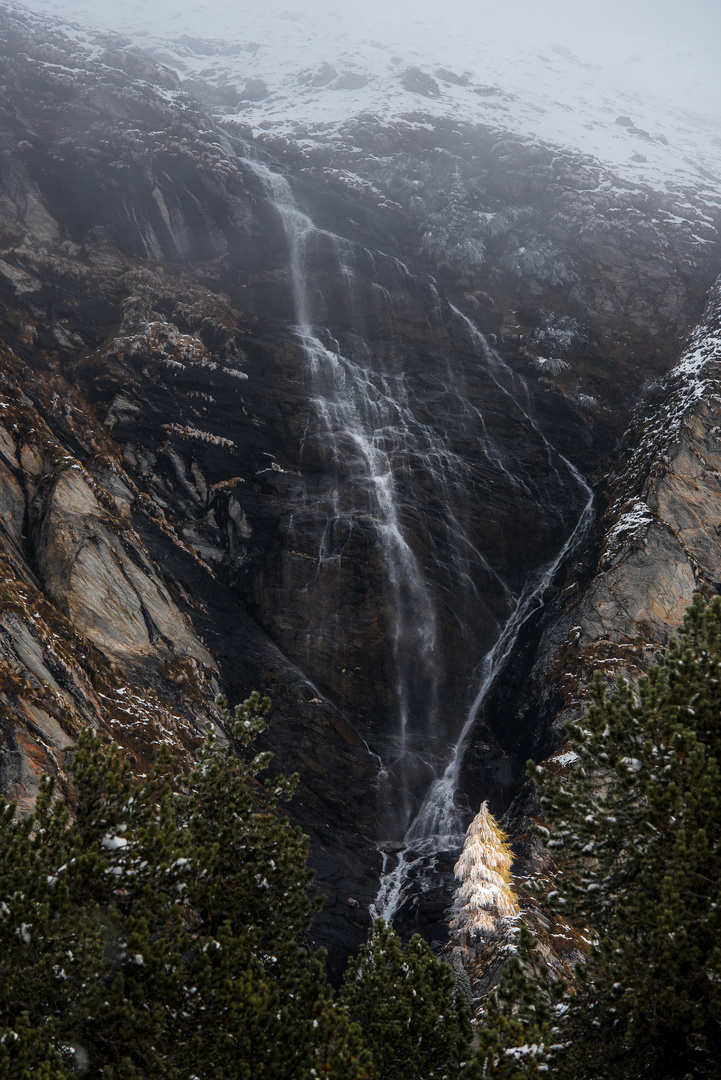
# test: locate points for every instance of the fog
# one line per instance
(671, 47)
(688, 22)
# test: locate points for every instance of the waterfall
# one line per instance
(364, 420)
(437, 826)
(388, 455)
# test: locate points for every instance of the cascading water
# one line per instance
(437, 827)
(392, 453)
(363, 421)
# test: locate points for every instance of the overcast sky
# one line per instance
(694, 21)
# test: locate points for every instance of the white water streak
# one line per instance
(358, 414)
(438, 826)
(362, 412)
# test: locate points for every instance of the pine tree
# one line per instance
(485, 895)
(404, 999)
(157, 933)
(635, 830)
(26, 1055)
(520, 1029)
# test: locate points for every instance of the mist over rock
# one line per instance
(419, 82)
(368, 416)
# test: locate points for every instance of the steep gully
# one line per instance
(252, 436)
(366, 428)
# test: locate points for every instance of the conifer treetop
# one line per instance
(485, 895)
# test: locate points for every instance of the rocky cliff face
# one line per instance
(658, 539)
(332, 422)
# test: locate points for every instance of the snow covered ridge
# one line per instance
(304, 74)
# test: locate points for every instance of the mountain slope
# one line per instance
(323, 416)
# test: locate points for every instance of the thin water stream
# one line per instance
(375, 440)
(438, 827)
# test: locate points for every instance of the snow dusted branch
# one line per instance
(196, 433)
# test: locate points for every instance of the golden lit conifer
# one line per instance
(485, 895)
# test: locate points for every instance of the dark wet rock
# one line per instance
(350, 80)
(448, 76)
(254, 90)
(657, 544)
(199, 46)
(138, 66)
(489, 91)
(325, 75)
(420, 82)
(226, 96)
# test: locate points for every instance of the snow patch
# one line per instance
(551, 365)
(566, 758)
(631, 524)
(322, 70)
